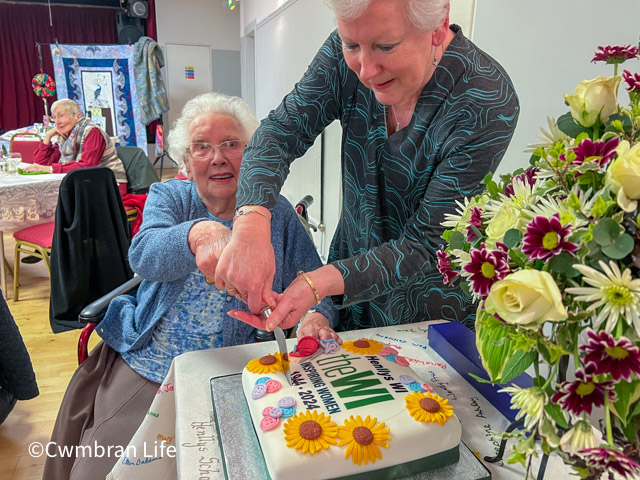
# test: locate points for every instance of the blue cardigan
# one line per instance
(160, 254)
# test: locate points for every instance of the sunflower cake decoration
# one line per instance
(363, 439)
(310, 432)
(363, 346)
(266, 364)
(428, 407)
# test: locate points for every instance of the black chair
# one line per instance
(140, 171)
(89, 252)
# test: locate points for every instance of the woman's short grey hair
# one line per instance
(67, 105)
(426, 15)
(219, 103)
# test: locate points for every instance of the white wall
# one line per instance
(202, 22)
(208, 23)
(546, 46)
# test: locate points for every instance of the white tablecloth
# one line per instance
(182, 414)
(26, 200)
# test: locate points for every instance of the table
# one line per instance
(182, 413)
(5, 138)
(25, 200)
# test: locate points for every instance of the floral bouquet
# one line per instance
(552, 256)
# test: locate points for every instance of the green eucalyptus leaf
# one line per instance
(606, 231)
(516, 365)
(617, 123)
(561, 263)
(512, 237)
(568, 125)
(620, 247)
(457, 240)
(446, 235)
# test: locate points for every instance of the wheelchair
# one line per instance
(93, 313)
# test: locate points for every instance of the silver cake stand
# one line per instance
(241, 451)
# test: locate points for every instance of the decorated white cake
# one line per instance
(354, 410)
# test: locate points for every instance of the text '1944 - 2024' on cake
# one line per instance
(355, 410)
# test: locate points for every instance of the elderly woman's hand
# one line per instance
(317, 326)
(207, 240)
(248, 263)
(34, 167)
(50, 134)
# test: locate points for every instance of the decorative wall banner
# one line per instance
(102, 77)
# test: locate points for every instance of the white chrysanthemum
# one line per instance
(549, 137)
(578, 437)
(530, 402)
(460, 257)
(613, 294)
(548, 206)
(462, 215)
(461, 219)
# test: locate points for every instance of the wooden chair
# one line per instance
(35, 241)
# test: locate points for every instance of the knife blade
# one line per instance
(282, 346)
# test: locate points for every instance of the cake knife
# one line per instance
(282, 346)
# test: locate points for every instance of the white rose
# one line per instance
(594, 99)
(623, 175)
(526, 298)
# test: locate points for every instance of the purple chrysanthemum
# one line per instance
(584, 393)
(599, 460)
(476, 221)
(444, 266)
(615, 54)
(546, 238)
(600, 152)
(485, 268)
(632, 80)
(617, 356)
(528, 178)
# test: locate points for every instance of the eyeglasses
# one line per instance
(60, 116)
(229, 149)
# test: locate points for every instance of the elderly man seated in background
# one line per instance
(176, 309)
(81, 143)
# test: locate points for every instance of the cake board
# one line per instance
(242, 456)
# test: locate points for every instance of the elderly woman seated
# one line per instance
(176, 309)
(81, 143)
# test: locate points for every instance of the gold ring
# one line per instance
(209, 280)
(232, 291)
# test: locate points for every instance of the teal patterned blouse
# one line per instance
(395, 189)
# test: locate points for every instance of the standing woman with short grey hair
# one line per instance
(425, 116)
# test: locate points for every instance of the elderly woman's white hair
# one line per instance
(426, 15)
(67, 105)
(209, 103)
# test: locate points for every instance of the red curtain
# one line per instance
(21, 26)
(152, 29)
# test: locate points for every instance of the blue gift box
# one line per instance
(456, 344)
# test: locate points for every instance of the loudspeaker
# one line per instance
(138, 9)
(129, 29)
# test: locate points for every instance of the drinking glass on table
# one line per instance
(13, 161)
